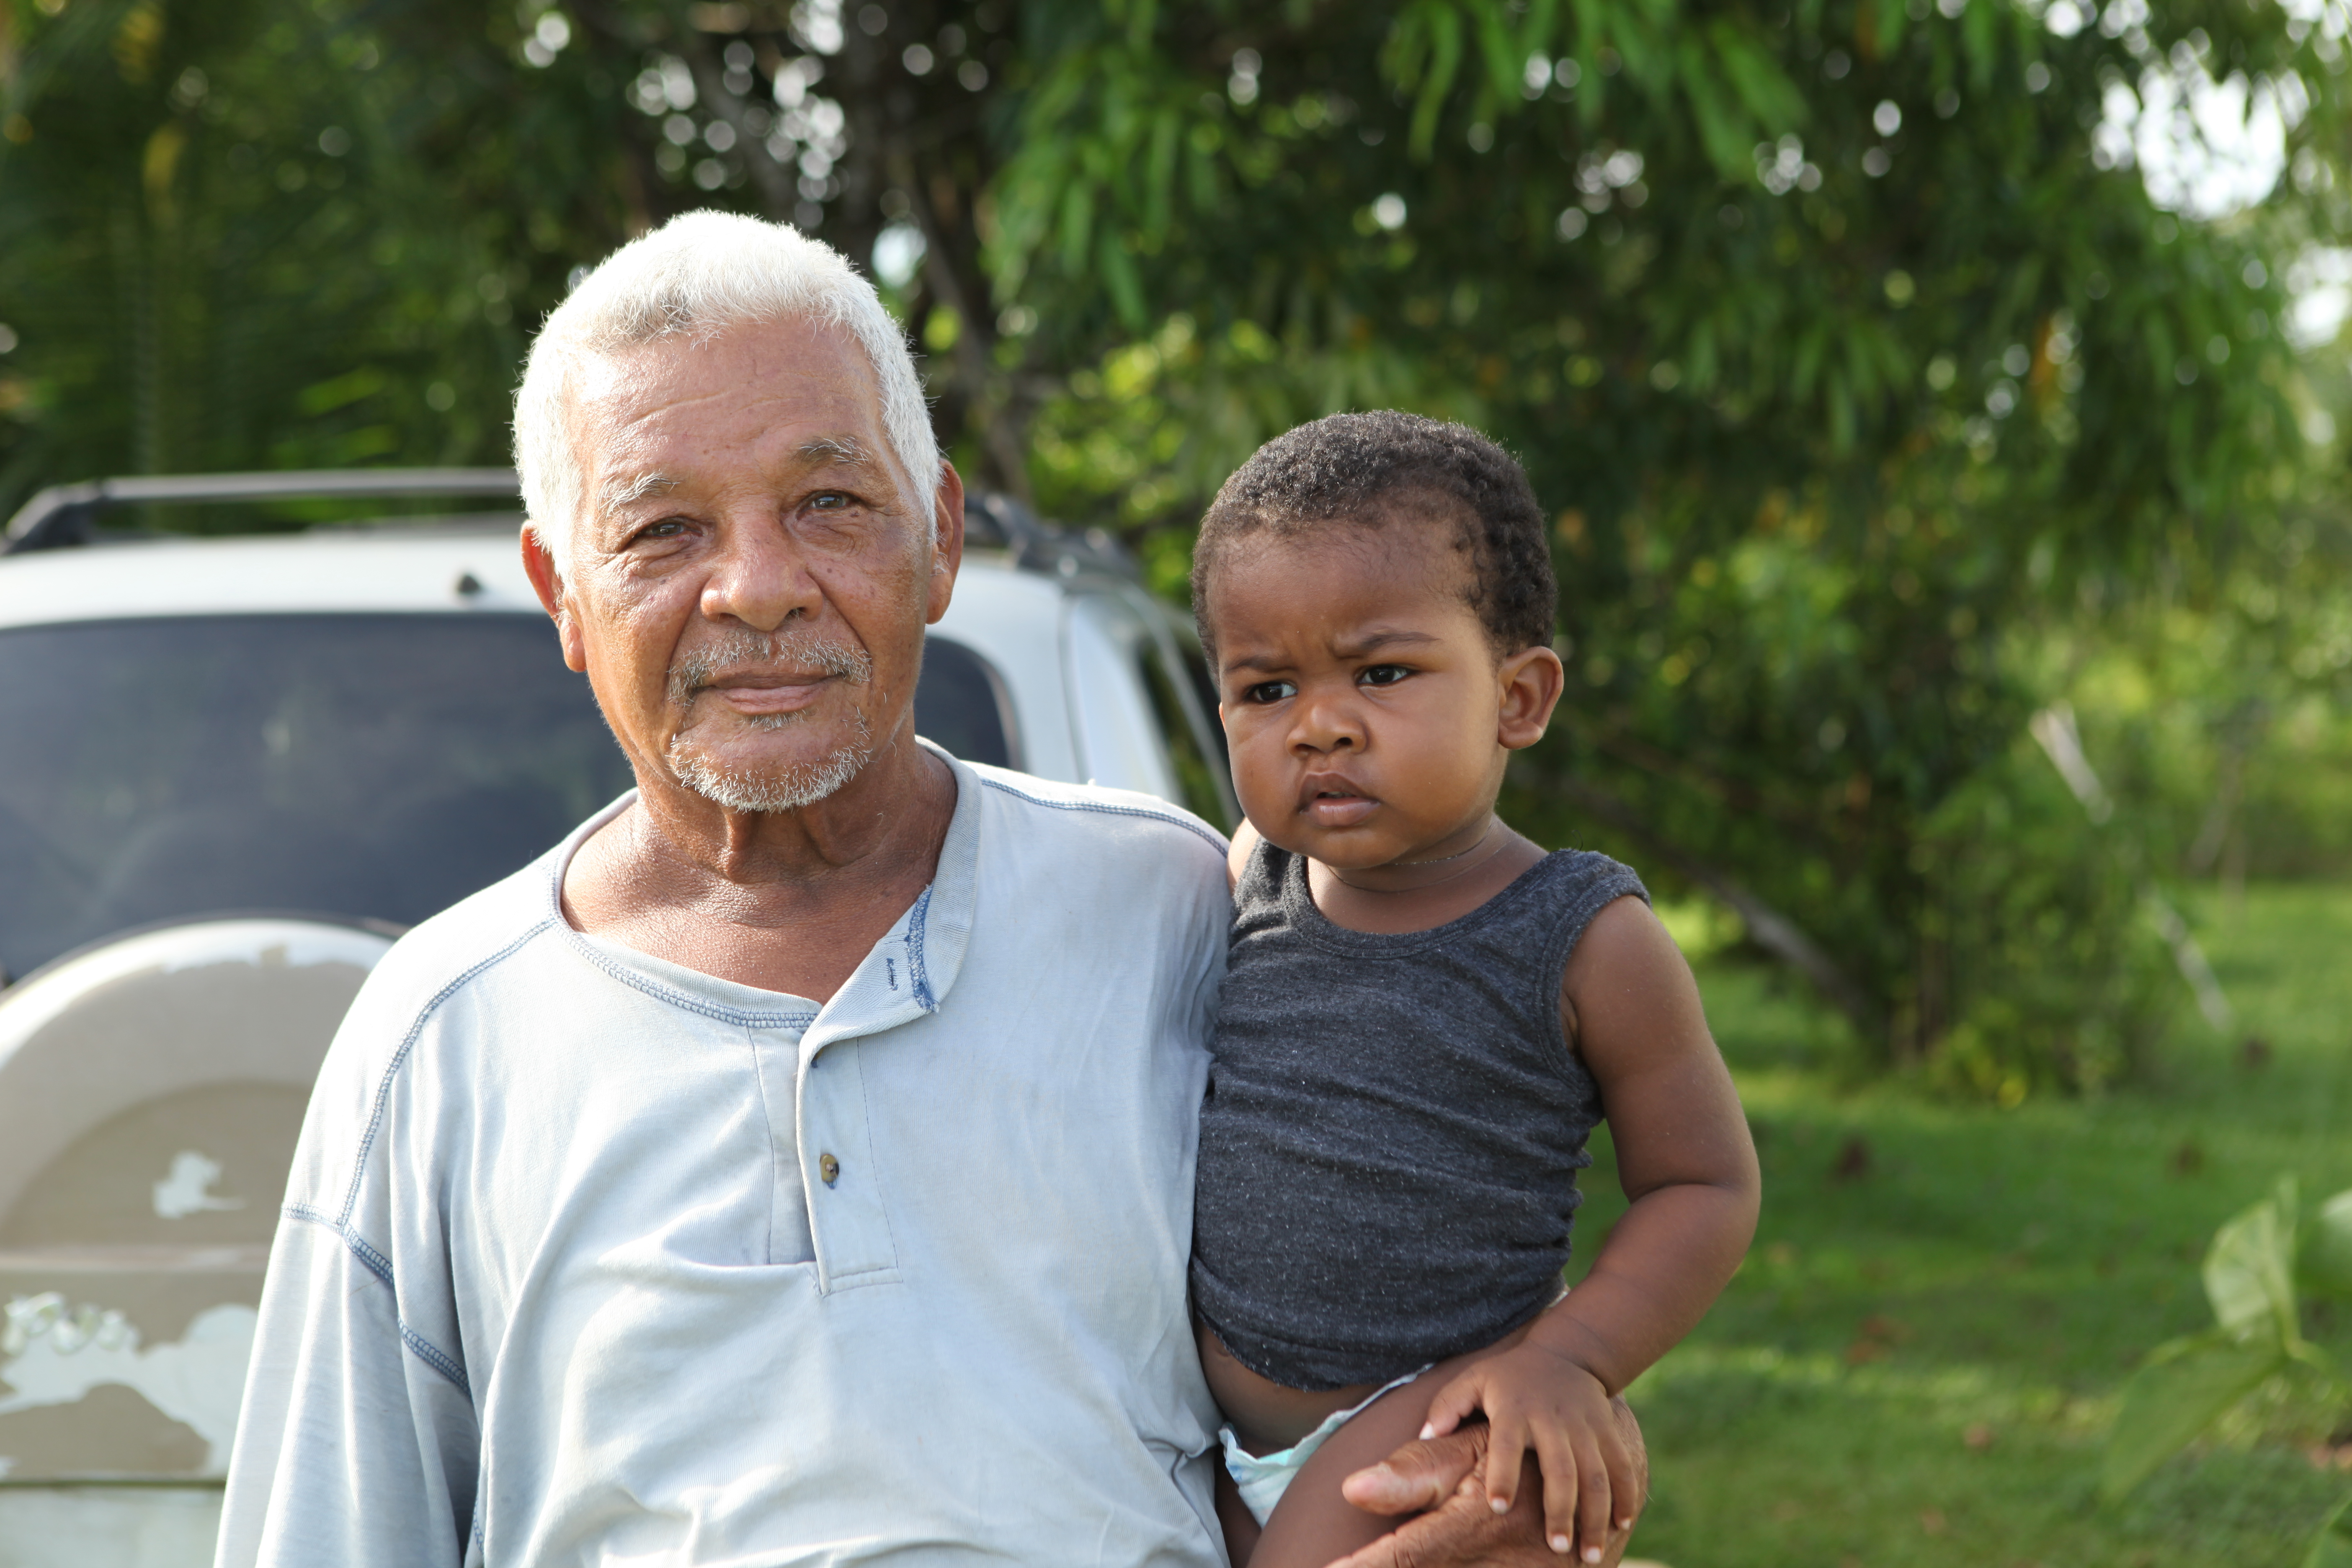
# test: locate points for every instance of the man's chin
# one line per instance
(767, 785)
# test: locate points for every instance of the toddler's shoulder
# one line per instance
(1580, 883)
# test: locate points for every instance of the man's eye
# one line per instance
(667, 528)
(1269, 691)
(830, 500)
(1383, 675)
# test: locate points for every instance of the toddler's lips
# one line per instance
(1330, 808)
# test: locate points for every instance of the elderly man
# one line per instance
(794, 1165)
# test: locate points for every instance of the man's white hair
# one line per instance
(693, 278)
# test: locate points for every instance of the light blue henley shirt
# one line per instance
(590, 1259)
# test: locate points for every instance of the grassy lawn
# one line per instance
(1919, 1361)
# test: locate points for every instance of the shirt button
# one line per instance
(829, 1168)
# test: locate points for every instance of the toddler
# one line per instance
(1426, 1015)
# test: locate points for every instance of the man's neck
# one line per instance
(788, 901)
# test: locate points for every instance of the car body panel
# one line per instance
(168, 1071)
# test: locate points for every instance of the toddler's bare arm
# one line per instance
(1684, 1158)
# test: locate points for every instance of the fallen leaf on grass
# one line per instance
(1931, 1520)
(1864, 1351)
(1852, 1161)
(1977, 1436)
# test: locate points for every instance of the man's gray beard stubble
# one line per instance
(794, 785)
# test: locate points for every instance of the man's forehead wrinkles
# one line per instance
(637, 408)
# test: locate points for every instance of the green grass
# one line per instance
(1920, 1359)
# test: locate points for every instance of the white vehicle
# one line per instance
(231, 771)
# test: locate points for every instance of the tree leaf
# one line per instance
(1424, 53)
(2327, 1247)
(1120, 277)
(2249, 1270)
(1711, 109)
(2332, 1547)
(1763, 87)
(2181, 1390)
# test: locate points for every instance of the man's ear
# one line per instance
(547, 581)
(947, 541)
(1530, 682)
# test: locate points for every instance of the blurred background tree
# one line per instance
(1893, 369)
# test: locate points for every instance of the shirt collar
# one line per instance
(906, 975)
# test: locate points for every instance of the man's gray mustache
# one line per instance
(743, 651)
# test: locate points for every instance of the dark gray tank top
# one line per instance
(1393, 1125)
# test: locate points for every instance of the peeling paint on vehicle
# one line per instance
(56, 1354)
(188, 1189)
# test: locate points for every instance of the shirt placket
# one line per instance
(776, 1049)
(848, 1217)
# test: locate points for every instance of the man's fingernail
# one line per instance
(1499, 1504)
(1559, 1543)
(1428, 1430)
(1593, 1554)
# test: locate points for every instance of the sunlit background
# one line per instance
(1941, 408)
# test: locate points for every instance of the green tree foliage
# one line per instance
(1853, 360)
(1845, 360)
(249, 234)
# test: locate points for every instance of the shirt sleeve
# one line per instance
(352, 1447)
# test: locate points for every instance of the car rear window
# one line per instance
(368, 766)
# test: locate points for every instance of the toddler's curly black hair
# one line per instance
(1387, 468)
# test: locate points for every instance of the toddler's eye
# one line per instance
(1269, 691)
(1383, 675)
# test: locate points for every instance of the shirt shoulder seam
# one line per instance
(378, 1265)
(400, 1059)
(1107, 809)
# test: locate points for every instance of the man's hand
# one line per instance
(1440, 1479)
(1537, 1398)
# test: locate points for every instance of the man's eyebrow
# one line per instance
(845, 450)
(621, 490)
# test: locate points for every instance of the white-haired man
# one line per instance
(794, 1165)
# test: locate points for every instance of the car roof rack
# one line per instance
(993, 521)
(64, 517)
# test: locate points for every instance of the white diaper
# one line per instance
(1262, 1479)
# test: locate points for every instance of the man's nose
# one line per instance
(758, 575)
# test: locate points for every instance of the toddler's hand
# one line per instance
(1537, 1398)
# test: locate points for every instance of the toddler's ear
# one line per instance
(1529, 683)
